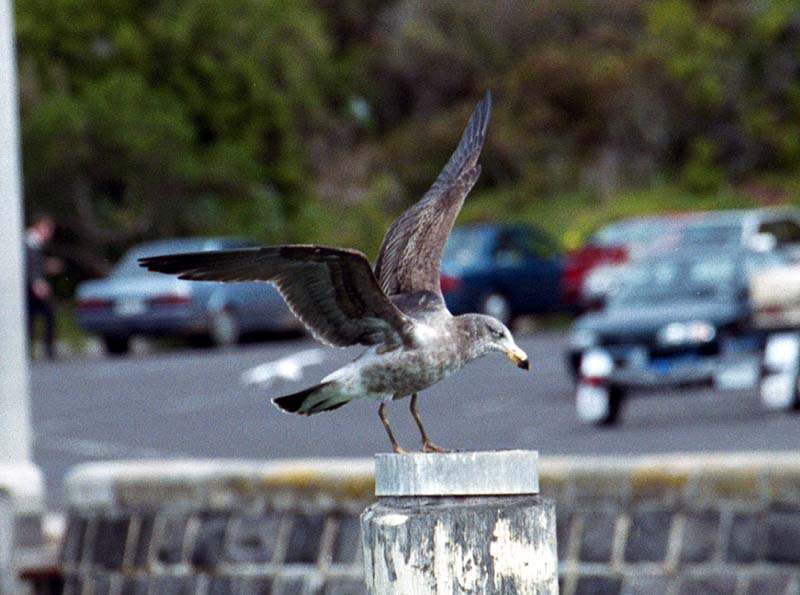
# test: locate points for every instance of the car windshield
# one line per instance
(712, 234)
(464, 245)
(658, 280)
(129, 265)
(627, 232)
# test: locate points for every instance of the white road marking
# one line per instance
(96, 448)
(284, 369)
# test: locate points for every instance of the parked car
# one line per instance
(762, 230)
(504, 270)
(591, 271)
(675, 321)
(133, 301)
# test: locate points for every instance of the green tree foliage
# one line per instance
(158, 117)
(321, 121)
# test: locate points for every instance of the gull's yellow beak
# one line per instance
(519, 357)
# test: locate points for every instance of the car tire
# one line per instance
(498, 306)
(616, 398)
(599, 406)
(117, 344)
(224, 328)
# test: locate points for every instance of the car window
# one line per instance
(785, 231)
(625, 232)
(711, 234)
(128, 266)
(538, 244)
(464, 245)
(510, 249)
(653, 281)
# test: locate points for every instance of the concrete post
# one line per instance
(20, 481)
(15, 440)
(459, 523)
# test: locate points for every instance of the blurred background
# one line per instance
(641, 169)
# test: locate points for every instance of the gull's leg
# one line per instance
(427, 445)
(395, 446)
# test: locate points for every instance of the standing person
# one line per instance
(40, 294)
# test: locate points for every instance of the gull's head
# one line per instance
(495, 336)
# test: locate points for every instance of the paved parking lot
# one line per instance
(204, 403)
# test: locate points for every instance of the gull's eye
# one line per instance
(497, 333)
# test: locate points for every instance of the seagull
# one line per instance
(396, 311)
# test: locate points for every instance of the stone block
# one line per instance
(733, 484)
(748, 538)
(598, 585)
(207, 551)
(648, 536)
(172, 585)
(700, 536)
(784, 486)
(347, 544)
(134, 585)
(259, 585)
(101, 584)
(170, 540)
(345, 586)
(597, 538)
(765, 584)
(646, 584)
(783, 536)
(304, 541)
(708, 584)
(144, 539)
(295, 585)
(221, 585)
(72, 550)
(252, 539)
(655, 484)
(73, 585)
(109, 542)
(563, 528)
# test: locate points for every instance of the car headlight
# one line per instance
(582, 339)
(683, 333)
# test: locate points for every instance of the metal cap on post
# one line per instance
(456, 523)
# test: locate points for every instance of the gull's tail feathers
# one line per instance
(322, 397)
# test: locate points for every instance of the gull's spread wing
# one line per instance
(411, 253)
(333, 291)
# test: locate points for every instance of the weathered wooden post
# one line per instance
(459, 523)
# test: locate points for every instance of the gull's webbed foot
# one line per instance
(428, 446)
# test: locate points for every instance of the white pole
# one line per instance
(15, 432)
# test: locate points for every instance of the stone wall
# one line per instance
(679, 525)
(216, 527)
(683, 525)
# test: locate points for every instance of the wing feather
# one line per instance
(333, 291)
(411, 253)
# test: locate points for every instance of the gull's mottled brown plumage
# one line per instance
(411, 253)
(332, 290)
(398, 311)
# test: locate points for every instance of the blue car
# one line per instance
(504, 270)
(133, 301)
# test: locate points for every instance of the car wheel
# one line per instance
(498, 306)
(599, 405)
(224, 328)
(117, 344)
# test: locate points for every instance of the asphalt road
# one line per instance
(197, 403)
